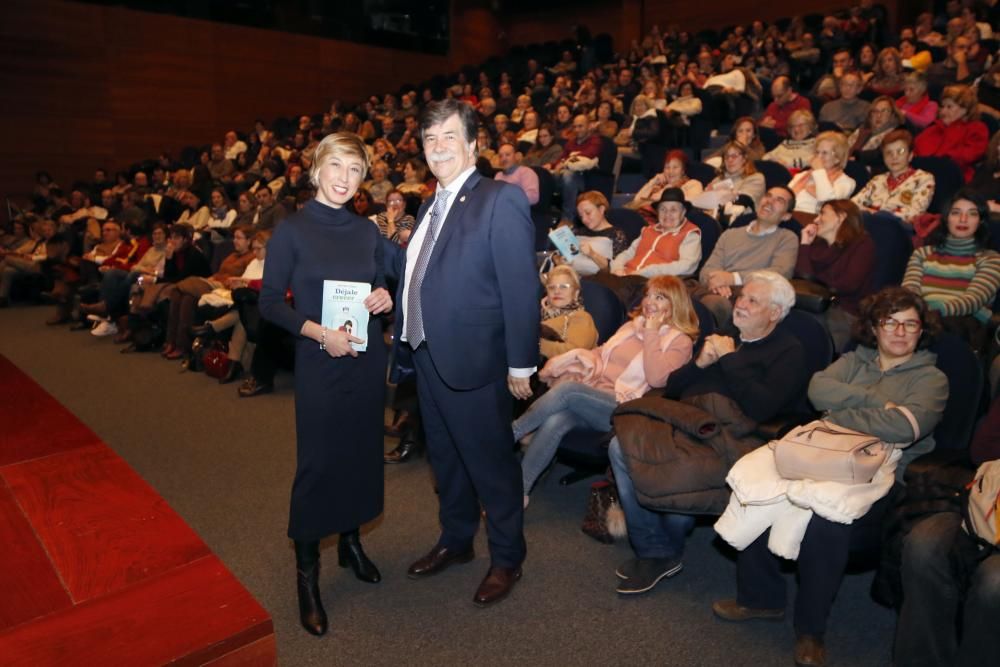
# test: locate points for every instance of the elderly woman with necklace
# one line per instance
(565, 324)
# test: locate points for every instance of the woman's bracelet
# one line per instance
(322, 339)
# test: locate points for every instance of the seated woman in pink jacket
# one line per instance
(587, 385)
(957, 133)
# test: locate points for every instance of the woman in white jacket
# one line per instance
(825, 180)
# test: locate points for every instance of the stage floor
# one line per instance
(96, 568)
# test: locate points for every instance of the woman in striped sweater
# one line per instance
(956, 272)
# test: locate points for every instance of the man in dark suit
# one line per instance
(469, 313)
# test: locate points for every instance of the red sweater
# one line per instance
(964, 141)
(128, 253)
(846, 270)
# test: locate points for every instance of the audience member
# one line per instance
(957, 133)
(671, 247)
(512, 172)
(666, 475)
(838, 253)
(798, 150)
(761, 245)
(825, 179)
(786, 101)
(848, 111)
(903, 191)
(587, 385)
(956, 272)
(889, 388)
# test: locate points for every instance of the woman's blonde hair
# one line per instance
(805, 115)
(839, 141)
(564, 270)
(682, 316)
(964, 96)
(339, 144)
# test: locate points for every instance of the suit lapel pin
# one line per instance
(462, 198)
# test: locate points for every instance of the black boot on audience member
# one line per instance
(409, 446)
(352, 555)
(311, 612)
(234, 373)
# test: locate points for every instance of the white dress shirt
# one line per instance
(417, 241)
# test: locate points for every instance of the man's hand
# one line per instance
(378, 301)
(767, 121)
(718, 279)
(520, 388)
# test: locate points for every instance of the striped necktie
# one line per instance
(414, 314)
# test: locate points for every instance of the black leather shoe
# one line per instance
(496, 585)
(251, 387)
(311, 612)
(351, 555)
(234, 373)
(438, 560)
(407, 448)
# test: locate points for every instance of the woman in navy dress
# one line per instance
(339, 393)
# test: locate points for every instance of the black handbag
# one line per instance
(811, 296)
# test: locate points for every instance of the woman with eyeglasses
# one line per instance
(565, 324)
(883, 117)
(904, 191)
(394, 222)
(956, 271)
(587, 385)
(888, 387)
(798, 150)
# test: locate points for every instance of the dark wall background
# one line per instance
(84, 85)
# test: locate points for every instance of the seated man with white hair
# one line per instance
(670, 455)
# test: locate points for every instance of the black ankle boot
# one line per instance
(311, 612)
(235, 372)
(351, 554)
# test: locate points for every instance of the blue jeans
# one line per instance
(571, 183)
(927, 634)
(652, 534)
(555, 414)
(115, 285)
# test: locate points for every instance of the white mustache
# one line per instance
(440, 157)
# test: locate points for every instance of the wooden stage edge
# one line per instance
(96, 567)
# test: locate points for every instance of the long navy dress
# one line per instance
(338, 402)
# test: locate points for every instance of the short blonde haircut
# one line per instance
(564, 270)
(345, 144)
(964, 96)
(804, 115)
(839, 142)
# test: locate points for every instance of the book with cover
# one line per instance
(565, 242)
(344, 309)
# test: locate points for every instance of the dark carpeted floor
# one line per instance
(226, 466)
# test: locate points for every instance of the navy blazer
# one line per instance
(479, 295)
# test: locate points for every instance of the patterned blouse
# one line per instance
(905, 197)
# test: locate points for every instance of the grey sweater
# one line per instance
(853, 393)
(740, 251)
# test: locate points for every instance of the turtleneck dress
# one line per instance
(338, 402)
